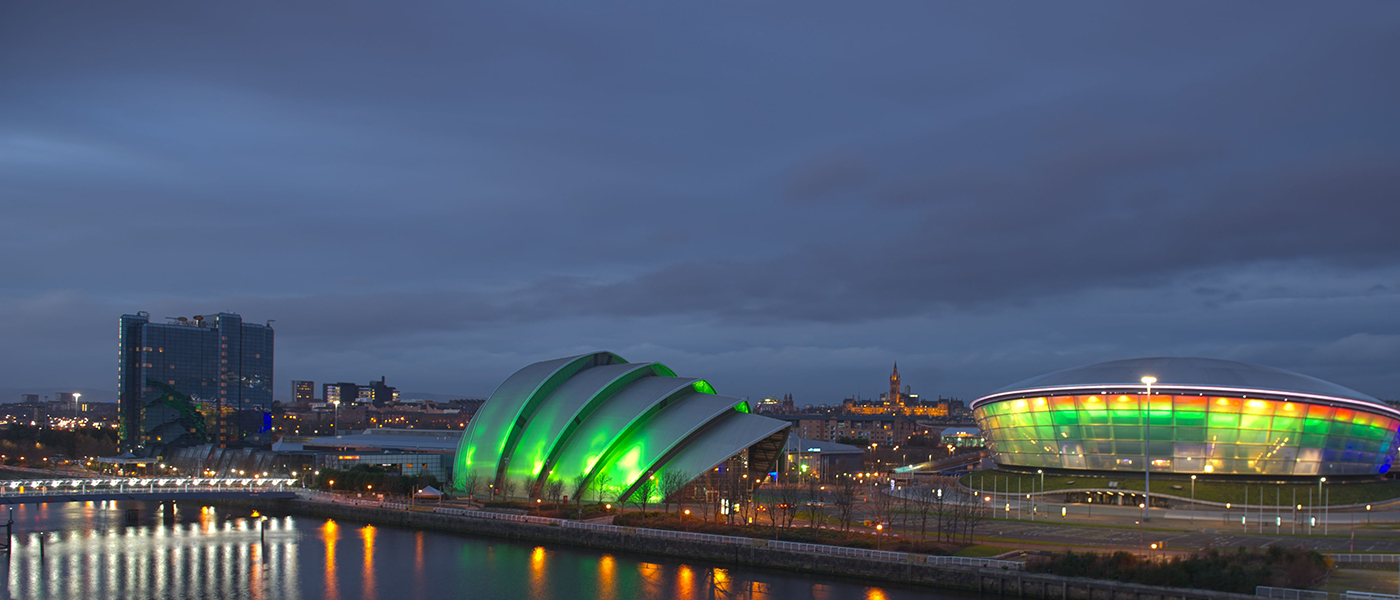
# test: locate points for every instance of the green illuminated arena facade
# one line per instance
(597, 421)
(1203, 416)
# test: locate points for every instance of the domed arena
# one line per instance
(597, 422)
(1188, 415)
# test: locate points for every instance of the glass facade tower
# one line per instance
(223, 365)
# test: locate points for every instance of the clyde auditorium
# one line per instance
(598, 422)
(1203, 416)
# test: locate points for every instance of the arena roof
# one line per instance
(1188, 373)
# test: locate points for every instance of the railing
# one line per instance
(882, 555)
(1349, 595)
(1278, 593)
(1364, 558)
(133, 485)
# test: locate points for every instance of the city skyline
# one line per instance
(978, 194)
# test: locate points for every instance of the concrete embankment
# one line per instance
(999, 582)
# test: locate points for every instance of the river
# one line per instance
(94, 551)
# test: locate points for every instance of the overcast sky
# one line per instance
(779, 197)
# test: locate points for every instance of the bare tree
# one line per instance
(554, 490)
(642, 495)
(471, 482)
(507, 488)
(600, 484)
(789, 500)
(881, 505)
(579, 487)
(814, 497)
(672, 487)
(527, 487)
(924, 506)
(843, 496)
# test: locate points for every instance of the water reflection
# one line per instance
(92, 551)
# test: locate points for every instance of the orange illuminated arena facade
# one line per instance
(1203, 416)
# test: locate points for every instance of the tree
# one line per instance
(600, 484)
(554, 490)
(789, 496)
(471, 482)
(814, 497)
(507, 488)
(925, 504)
(843, 496)
(672, 486)
(579, 487)
(642, 495)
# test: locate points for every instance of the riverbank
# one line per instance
(910, 570)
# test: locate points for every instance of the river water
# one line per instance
(94, 551)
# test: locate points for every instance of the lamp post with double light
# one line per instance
(1147, 380)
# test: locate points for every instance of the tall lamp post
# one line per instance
(1193, 499)
(1147, 380)
(1324, 504)
(335, 419)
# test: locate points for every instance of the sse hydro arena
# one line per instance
(1204, 416)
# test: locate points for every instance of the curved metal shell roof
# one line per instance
(1183, 373)
(599, 417)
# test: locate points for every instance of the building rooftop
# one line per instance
(1173, 373)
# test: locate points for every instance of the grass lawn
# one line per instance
(1340, 492)
(1361, 580)
(981, 551)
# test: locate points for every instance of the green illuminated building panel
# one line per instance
(560, 413)
(491, 430)
(600, 430)
(644, 443)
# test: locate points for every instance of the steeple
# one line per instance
(895, 398)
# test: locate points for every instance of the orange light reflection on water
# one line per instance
(685, 583)
(607, 577)
(368, 576)
(537, 578)
(330, 533)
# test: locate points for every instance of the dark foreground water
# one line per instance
(92, 552)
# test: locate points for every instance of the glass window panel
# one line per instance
(1100, 432)
(1190, 434)
(1161, 417)
(1127, 432)
(1312, 440)
(1124, 402)
(1063, 403)
(1191, 419)
(1222, 436)
(1224, 405)
(1185, 449)
(1069, 432)
(1125, 449)
(1039, 404)
(1224, 421)
(1258, 407)
(1163, 433)
(1126, 417)
(1248, 436)
(1097, 417)
(1254, 422)
(1190, 403)
(1317, 426)
(1065, 417)
(1161, 449)
(1287, 424)
(1317, 411)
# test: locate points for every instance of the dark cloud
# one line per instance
(782, 200)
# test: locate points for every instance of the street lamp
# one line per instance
(335, 420)
(1147, 380)
(1324, 504)
(1193, 499)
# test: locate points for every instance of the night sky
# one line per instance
(779, 197)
